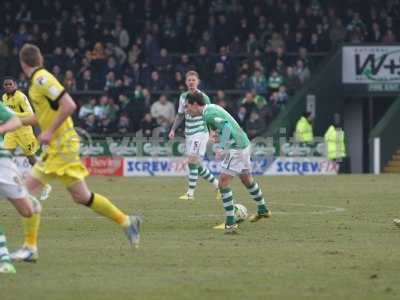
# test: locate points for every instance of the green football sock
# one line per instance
(258, 197)
(192, 178)
(4, 255)
(227, 199)
(207, 175)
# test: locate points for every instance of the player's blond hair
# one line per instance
(192, 73)
(30, 54)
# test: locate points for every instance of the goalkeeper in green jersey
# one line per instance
(235, 150)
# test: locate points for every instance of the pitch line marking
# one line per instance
(327, 210)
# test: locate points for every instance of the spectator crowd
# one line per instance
(135, 53)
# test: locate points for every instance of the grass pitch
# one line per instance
(330, 238)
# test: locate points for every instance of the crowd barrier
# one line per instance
(177, 166)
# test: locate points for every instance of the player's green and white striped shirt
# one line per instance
(217, 118)
(5, 115)
(192, 124)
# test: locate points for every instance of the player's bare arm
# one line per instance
(177, 122)
(11, 125)
(213, 136)
(66, 108)
(223, 140)
(29, 120)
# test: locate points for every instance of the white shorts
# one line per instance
(11, 181)
(237, 161)
(196, 144)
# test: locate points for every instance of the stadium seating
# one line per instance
(124, 49)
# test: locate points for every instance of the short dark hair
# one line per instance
(9, 78)
(337, 120)
(195, 97)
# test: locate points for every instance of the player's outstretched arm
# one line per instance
(178, 121)
(66, 108)
(28, 120)
(11, 125)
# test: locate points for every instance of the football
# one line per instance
(240, 213)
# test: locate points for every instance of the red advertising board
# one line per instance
(104, 165)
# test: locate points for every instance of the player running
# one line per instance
(60, 159)
(196, 134)
(23, 137)
(235, 146)
(11, 186)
